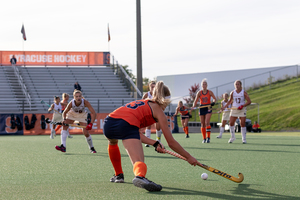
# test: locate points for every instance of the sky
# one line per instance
(178, 37)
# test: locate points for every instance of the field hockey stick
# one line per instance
(43, 102)
(48, 121)
(211, 169)
(206, 106)
(233, 108)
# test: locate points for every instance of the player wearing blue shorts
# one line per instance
(124, 124)
(204, 96)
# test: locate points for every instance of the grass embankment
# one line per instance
(279, 108)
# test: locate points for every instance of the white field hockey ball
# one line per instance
(204, 176)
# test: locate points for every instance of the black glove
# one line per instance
(212, 104)
(156, 144)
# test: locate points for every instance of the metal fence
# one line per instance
(266, 78)
(119, 70)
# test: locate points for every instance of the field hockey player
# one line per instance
(237, 99)
(75, 111)
(205, 113)
(57, 116)
(149, 95)
(185, 117)
(225, 115)
(64, 103)
(124, 124)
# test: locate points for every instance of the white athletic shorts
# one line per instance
(238, 113)
(57, 117)
(226, 115)
(80, 117)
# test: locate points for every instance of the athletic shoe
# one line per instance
(93, 150)
(244, 142)
(60, 148)
(231, 140)
(52, 134)
(146, 184)
(208, 140)
(147, 145)
(204, 141)
(219, 136)
(117, 179)
(70, 136)
(187, 136)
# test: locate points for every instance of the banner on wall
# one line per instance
(55, 58)
(5, 125)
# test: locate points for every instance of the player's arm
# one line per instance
(67, 109)
(213, 96)
(176, 112)
(247, 98)
(93, 112)
(196, 99)
(51, 107)
(229, 101)
(173, 144)
(64, 103)
(145, 96)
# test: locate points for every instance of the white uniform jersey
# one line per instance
(149, 95)
(224, 103)
(238, 98)
(58, 107)
(80, 108)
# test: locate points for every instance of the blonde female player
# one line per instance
(57, 116)
(148, 129)
(124, 124)
(185, 117)
(64, 103)
(226, 114)
(75, 111)
(205, 113)
(237, 98)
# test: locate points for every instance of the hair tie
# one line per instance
(168, 97)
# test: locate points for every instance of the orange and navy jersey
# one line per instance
(137, 113)
(183, 110)
(62, 106)
(204, 98)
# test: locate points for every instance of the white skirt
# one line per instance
(81, 117)
(238, 113)
(57, 117)
(226, 115)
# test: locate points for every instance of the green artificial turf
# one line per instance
(31, 168)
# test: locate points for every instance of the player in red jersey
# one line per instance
(185, 117)
(124, 124)
(205, 113)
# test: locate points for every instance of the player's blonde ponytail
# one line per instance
(161, 94)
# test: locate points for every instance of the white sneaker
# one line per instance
(244, 142)
(231, 140)
(51, 135)
(219, 136)
(70, 136)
